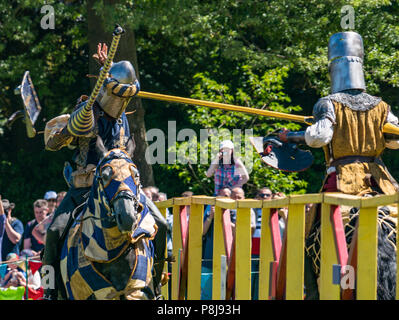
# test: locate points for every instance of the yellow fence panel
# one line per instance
(367, 254)
(243, 254)
(218, 250)
(328, 290)
(366, 273)
(265, 255)
(195, 252)
(295, 252)
(177, 245)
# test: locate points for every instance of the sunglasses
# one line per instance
(265, 195)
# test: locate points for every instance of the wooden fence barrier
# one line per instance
(281, 260)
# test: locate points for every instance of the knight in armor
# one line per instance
(348, 126)
(79, 131)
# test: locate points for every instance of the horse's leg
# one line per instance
(386, 263)
(386, 256)
(119, 271)
(312, 258)
(310, 280)
(159, 244)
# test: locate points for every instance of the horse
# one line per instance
(108, 252)
(386, 254)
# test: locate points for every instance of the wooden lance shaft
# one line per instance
(388, 127)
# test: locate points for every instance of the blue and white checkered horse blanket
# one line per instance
(95, 237)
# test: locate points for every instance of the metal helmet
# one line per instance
(345, 61)
(118, 88)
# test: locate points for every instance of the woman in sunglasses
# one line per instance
(227, 169)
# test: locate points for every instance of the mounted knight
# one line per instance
(105, 118)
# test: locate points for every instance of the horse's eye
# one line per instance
(106, 174)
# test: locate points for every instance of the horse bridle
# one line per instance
(119, 193)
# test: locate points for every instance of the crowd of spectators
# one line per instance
(230, 176)
(19, 243)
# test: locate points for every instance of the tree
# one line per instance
(56, 59)
(180, 39)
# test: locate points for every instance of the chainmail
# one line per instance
(355, 99)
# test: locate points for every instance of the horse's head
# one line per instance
(118, 180)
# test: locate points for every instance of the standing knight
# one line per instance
(348, 126)
(79, 131)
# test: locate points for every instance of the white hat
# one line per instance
(226, 144)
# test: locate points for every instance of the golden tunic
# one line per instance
(359, 133)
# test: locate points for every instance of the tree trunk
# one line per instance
(126, 51)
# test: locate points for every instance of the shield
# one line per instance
(31, 103)
(280, 155)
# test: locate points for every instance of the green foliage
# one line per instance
(258, 91)
(183, 42)
(57, 61)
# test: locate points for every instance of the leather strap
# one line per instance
(352, 159)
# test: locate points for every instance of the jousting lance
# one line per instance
(388, 127)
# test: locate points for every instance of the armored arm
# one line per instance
(56, 135)
(296, 136)
(318, 134)
(321, 132)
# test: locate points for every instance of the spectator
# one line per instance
(208, 220)
(262, 194)
(60, 196)
(224, 192)
(40, 230)
(152, 193)
(2, 224)
(162, 196)
(16, 275)
(13, 230)
(147, 192)
(169, 242)
(51, 198)
(40, 208)
(238, 193)
(187, 194)
(169, 219)
(227, 169)
(282, 213)
(12, 276)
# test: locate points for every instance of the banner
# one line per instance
(34, 266)
(12, 293)
(3, 270)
